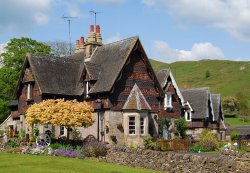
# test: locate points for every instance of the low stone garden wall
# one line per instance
(177, 162)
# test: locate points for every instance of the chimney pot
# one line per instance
(82, 41)
(77, 42)
(98, 30)
(91, 28)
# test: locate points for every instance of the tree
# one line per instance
(16, 51)
(61, 112)
(181, 127)
(207, 75)
(230, 106)
(243, 112)
(60, 48)
(12, 61)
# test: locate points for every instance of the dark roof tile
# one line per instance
(198, 99)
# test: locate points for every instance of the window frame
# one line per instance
(29, 91)
(62, 129)
(168, 101)
(134, 125)
(188, 114)
(142, 126)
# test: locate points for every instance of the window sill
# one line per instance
(29, 100)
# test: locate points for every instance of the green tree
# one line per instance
(181, 127)
(243, 112)
(230, 106)
(12, 61)
(207, 75)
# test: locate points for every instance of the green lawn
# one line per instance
(17, 163)
(236, 122)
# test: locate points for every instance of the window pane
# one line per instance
(142, 125)
(131, 125)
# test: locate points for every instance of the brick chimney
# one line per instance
(80, 45)
(77, 46)
(98, 34)
(94, 40)
(91, 35)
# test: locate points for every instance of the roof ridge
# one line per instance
(129, 38)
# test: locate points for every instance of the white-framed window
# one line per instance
(142, 126)
(168, 101)
(87, 89)
(188, 115)
(62, 130)
(29, 91)
(131, 125)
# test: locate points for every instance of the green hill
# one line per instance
(226, 77)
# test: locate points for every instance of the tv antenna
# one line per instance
(95, 13)
(69, 19)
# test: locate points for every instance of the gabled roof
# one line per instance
(163, 76)
(111, 59)
(93, 70)
(58, 75)
(136, 100)
(198, 99)
(216, 102)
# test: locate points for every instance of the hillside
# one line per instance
(226, 77)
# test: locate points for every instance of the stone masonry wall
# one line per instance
(177, 162)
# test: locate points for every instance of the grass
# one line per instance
(237, 122)
(17, 163)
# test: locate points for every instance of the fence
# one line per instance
(180, 145)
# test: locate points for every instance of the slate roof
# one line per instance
(58, 75)
(111, 58)
(198, 99)
(244, 130)
(216, 102)
(162, 75)
(136, 100)
(93, 70)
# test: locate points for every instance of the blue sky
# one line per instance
(170, 30)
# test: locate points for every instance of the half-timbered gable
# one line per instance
(173, 100)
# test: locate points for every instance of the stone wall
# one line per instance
(177, 162)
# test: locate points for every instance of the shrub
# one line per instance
(12, 144)
(95, 149)
(55, 145)
(196, 148)
(234, 134)
(150, 144)
(208, 140)
(76, 135)
(67, 153)
(181, 127)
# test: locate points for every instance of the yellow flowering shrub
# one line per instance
(60, 112)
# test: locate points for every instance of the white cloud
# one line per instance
(163, 52)
(113, 38)
(149, 2)
(107, 2)
(74, 11)
(228, 15)
(19, 15)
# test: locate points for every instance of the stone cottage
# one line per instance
(201, 109)
(116, 78)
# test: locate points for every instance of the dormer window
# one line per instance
(168, 101)
(28, 91)
(188, 115)
(87, 89)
